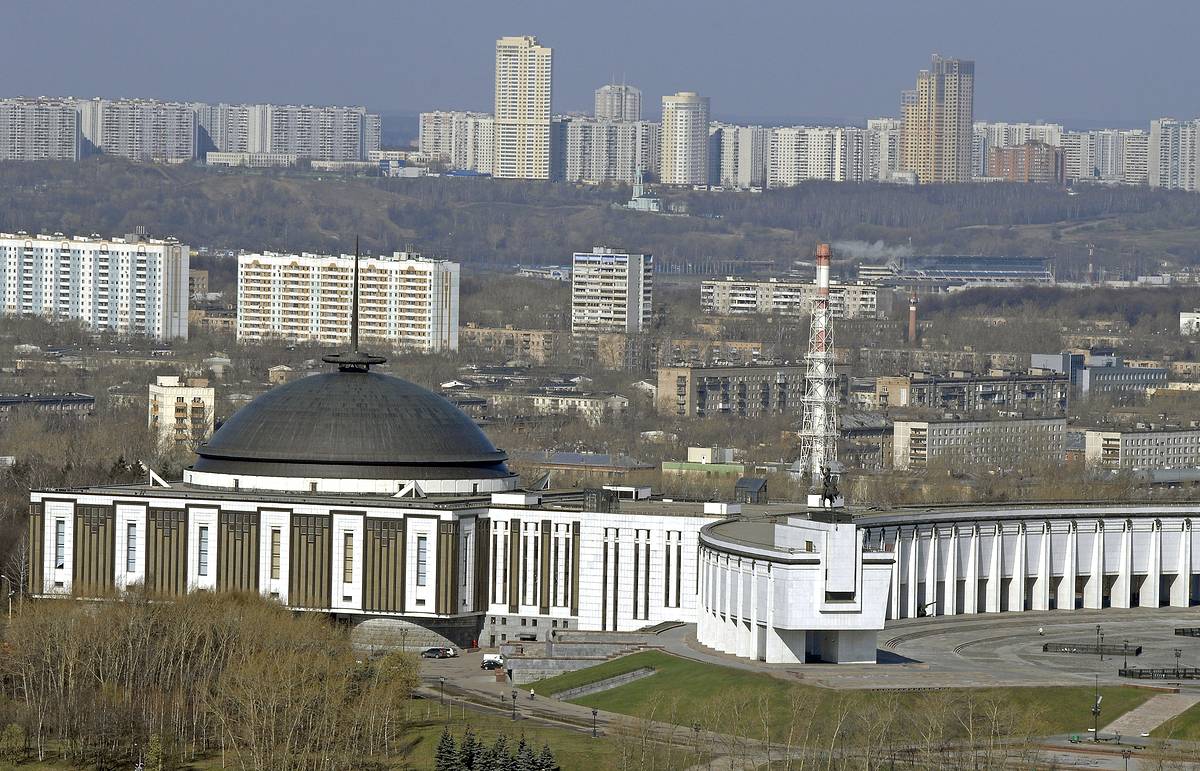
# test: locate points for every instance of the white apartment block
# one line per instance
(1135, 157)
(522, 114)
(130, 286)
(462, 140)
(593, 409)
(611, 291)
(1109, 155)
(683, 156)
(139, 129)
(1173, 152)
(883, 148)
(732, 297)
(39, 130)
(405, 300)
(1148, 449)
(592, 150)
(834, 154)
(921, 444)
(181, 412)
(618, 102)
(742, 155)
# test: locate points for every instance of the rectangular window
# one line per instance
(422, 560)
(275, 552)
(60, 544)
(202, 567)
(348, 558)
(131, 548)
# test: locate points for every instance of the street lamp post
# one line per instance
(1098, 643)
(443, 682)
(1125, 663)
(594, 713)
(1125, 754)
(514, 702)
(1102, 646)
(1178, 653)
(1096, 713)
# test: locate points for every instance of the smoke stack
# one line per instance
(912, 319)
(823, 256)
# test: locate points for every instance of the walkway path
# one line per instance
(1151, 714)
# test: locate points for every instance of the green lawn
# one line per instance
(686, 692)
(1184, 726)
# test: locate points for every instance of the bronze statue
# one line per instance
(829, 489)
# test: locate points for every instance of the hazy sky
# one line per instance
(1074, 61)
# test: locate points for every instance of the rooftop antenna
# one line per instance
(353, 360)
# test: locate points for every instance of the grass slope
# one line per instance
(686, 692)
(1184, 726)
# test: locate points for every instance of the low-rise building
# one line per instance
(1005, 444)
(181, 413)
(749, 392)
(537, 346)
(1045, 394)
(1189, 322)
(58, 404)
(591, 408)
(1142, 448)
(731, 296)
(1117, 379)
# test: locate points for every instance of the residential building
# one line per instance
(197, 283)
(966, 392)
(131, 286)
(73, 404)
(710, 351)
(731, 297)
(741, 157)
(537, 346)
(834, 154)
(611, 291)
(405, 300)
(139, 129)
(1173, 154)
(593, 409)
(462, 140)
(522, 113)
(39, 130)
(181, 412)
(1135, 157)
(955, 444)
(939, 118)
(1035, 162)
(1189, 322)
(251, 160)
(748, 392)
(883, 149)
(601, 150)
(619, 102)
(683, 156)
(1154, 448)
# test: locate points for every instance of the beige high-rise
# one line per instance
(938, 122)
(683, 156)
(522, 128)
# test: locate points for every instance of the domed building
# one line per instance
(371, 499)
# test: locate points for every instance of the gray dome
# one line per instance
(352, 425)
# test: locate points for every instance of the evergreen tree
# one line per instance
(502, 759)
(485, 759)
(446, 757)
(156, 757)
(468, 750)
(526, 759)
(546, 761)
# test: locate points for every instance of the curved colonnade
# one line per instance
(1012, 557)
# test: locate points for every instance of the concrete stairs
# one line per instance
(1150, 715)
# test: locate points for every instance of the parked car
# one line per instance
(438, 653)
(492, 664)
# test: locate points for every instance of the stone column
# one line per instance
(1181, 588)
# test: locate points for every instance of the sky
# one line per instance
(1084, 63)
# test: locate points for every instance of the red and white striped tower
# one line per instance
(818, 432)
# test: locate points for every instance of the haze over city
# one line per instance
(1082, 64)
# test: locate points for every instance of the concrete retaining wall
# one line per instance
(603, 685)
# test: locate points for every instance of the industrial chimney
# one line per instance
(912, 319)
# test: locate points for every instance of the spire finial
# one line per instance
(353, 360)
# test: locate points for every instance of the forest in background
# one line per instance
(504, 223)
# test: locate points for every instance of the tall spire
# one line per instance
(353, 360)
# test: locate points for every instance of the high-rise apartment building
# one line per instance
(39, 130)
(618, 102)
(831, 153)
(611, 291)
(1035, 162)
(131, 286)
(883, 148)
(742, 155)
(463, 140)
(139, 129)
(939, 118)
(522, 115)
(593, 150)
(1173, 154)
(683, 157)
(1135, 154)
(181, 413)
(405, 300)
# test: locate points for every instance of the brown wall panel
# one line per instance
(166, 553)
(36, 549)
(547, 546)
(95, 545)
(383, 565)
(447, 568)
(514, 565)
(574, 568)
(310, 561)
(483, 545)
(237, 551)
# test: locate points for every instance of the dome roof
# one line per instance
(352, 424)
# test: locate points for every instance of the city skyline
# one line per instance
(1013, 56)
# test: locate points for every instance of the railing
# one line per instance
(1092, 648)
(1188, 631)
(1177, 673)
